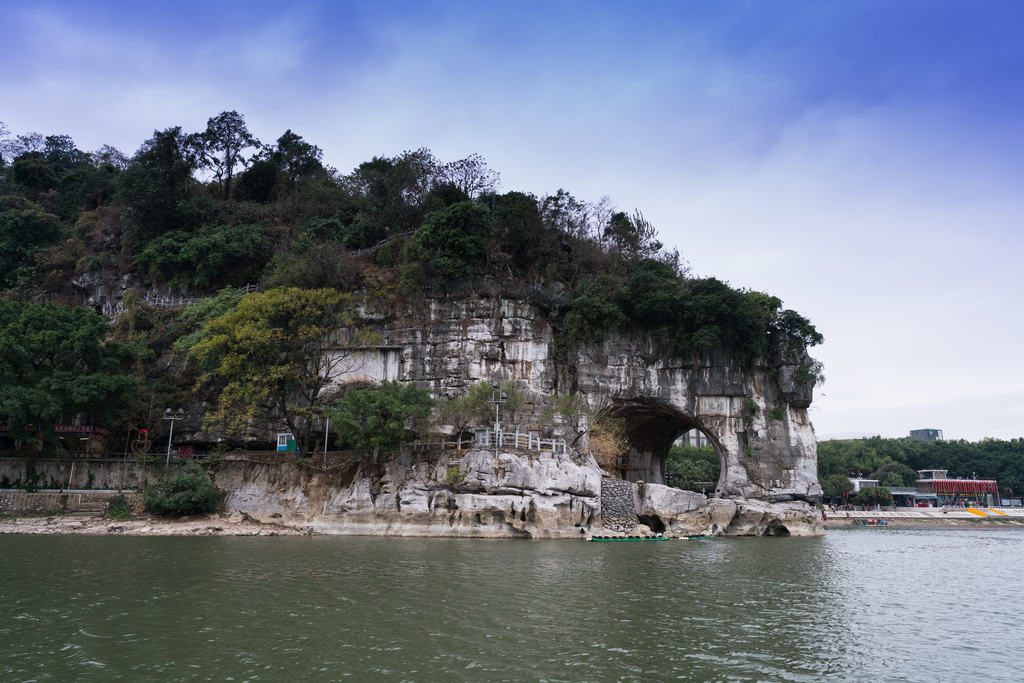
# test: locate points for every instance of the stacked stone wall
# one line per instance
(17, 503)
(618, 508)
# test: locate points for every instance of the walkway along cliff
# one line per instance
(755, 416)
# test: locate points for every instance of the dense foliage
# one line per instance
(274, 357)
(189, 492)
(380, 418)
(200, 212)
(56, 364)
(873, 495)
(217, 207)
(897, 460)
(689, 464)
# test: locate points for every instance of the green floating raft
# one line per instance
(613, 539)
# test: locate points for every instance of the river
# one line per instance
(855, 605)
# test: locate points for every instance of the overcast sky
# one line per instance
(863, 161)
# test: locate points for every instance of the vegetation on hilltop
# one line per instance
(895, 462)
(214, 209)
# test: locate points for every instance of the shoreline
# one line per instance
(241, 524)
(235, 524)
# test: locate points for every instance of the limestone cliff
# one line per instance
(755, 416)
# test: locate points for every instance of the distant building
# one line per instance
(934, 486)
(859, 484)
(694, 437)
(926, 434)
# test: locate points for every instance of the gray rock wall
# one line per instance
(759, 427)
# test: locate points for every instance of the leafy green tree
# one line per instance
(155, 186)
(836, 486)
(195, 317)
(478, 402)
(259, 182)
(873, 495)
(381, 418)
(297, 159)
(33, 172)
(393, 190)
(453, 240)
(687, 464)
(518, 224)
(593, 312)
(58, 363)
(24, 229)
(213, 253)
(225, 140)
(633, 236)
(189, 492)
(276, 356)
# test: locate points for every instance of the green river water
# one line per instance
(857, 605)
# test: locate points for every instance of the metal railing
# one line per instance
(180, 301)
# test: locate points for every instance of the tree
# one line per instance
(58, 363)
(155, 185)
(470, 175)
(873, 495)
(24, 230)
(453, 239)
(277, 356)
(573, 411)
(225, 138)
(189, 492)
(296, 158)
(836, 486)
(381, 417)
(608, 441)
(686, 465)
(478, 402)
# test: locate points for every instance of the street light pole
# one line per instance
(172, 415)
(497, 398)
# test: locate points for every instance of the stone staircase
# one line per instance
(87, 509)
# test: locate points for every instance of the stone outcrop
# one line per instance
(754, 414)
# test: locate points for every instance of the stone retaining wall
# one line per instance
(618, 508)
(19, 503)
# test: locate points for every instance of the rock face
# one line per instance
(513, 494)
(755, 416)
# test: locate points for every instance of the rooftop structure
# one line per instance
(927, 434)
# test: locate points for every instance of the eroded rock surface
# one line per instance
(513, 494)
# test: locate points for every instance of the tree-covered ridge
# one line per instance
(206, 209)
(894, 462)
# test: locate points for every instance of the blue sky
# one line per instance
(860, 160)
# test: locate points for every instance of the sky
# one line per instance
(861, 160)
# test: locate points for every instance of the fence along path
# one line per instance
(180, 301)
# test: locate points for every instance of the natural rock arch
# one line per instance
(651, 426)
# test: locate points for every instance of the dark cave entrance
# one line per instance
(651, 428)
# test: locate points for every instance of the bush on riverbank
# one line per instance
(118, 508)
(189, 492)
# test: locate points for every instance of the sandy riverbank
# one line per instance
(236, 524)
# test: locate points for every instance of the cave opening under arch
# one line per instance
(651, 427)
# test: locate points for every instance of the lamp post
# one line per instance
(171, 415)
(497, 398)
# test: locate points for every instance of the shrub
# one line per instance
(189, 492)
(119, 509)
(873, 495)
(453, 475)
